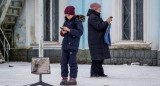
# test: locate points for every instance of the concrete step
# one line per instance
(12, 23)
(131, 45)
(7, 30)
(7, 33)
(14, 15)
(17, 0)
(14, 7)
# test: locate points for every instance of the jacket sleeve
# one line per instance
(97, 24)
(77, 31)
(61, 33)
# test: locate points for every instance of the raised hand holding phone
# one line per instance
(109, 19)
(63, 31)
(66, 29)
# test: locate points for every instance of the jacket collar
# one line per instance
(71, 19)
(77, 18)
(90, 11)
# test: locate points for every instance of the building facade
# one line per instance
(135, 31)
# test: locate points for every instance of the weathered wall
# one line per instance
(24, 31)
(154, 23)
(26, 28)
(158, 57)
(20, 30)
(30, 25)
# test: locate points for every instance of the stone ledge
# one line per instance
(131, 45)
(47, 45)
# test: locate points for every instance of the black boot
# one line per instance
(94, 75)
(103, 75)
(94, 69)
(101, 71)
(64, 81)
(72, 81)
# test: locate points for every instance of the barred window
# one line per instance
(132, 14)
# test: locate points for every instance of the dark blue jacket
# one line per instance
(71, 39)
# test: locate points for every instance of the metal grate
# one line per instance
(47, 17)
(46, 20)
(126, 29)
(138, 35)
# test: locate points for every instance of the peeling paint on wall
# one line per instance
(20, 31)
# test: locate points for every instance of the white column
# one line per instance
(116, 28)
(153, 22)
(159, 40)
(132, 19)
(145, 20)
(51, 27)
(41, 26)
(27, 25)
(36, 22)
(62, 6)
(159, 28)
(159, 33)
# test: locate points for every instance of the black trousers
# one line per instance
(97, 68)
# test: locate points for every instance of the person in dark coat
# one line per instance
(71, 31)
(98, 48)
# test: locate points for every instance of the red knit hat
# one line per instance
(95, 6)
(69, 10)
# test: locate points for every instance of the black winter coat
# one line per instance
(96, 30)
(71, 39)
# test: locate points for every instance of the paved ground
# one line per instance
(121, 75)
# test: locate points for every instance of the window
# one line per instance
(51, 20)
(46, 20)
(132, 20)
(139, 20)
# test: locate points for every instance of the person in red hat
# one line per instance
(72, 30)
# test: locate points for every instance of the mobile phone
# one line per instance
(61, 27)
(111, 17)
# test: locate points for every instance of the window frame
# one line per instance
(117, 22)
(133, 28)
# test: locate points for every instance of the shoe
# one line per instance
(93, 75)
(64, 81)
(103, 75)
(72, 81)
